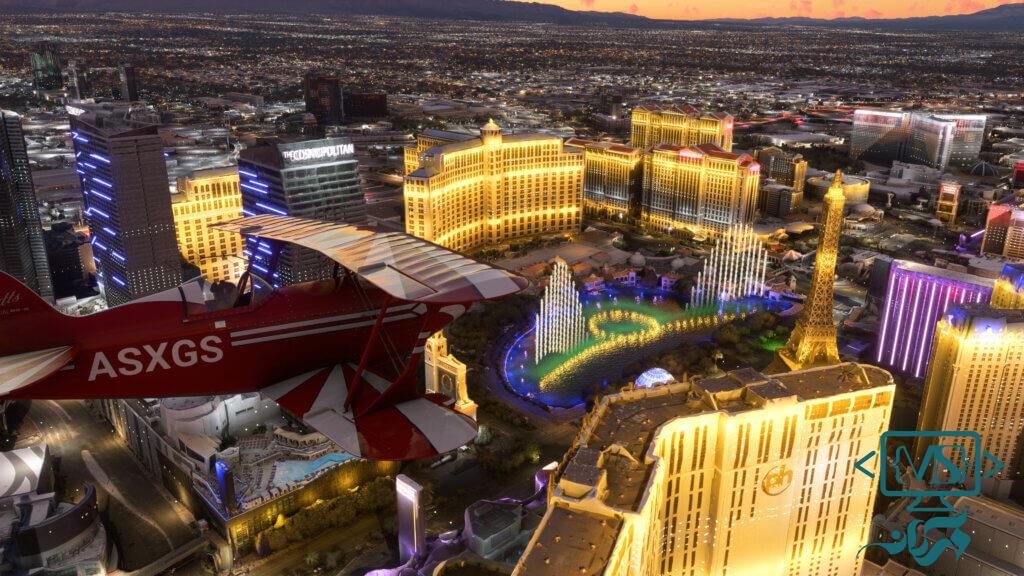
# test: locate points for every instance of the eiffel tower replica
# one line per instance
(813, 341)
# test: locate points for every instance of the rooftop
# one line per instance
(942, 273)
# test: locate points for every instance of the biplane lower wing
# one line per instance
(421, 427)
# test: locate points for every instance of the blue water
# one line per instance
(295, 470)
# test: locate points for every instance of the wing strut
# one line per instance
(357, 380)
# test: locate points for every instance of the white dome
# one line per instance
(637, 259)
(653, 377)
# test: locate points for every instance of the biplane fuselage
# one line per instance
(340, 354)
(174, 348)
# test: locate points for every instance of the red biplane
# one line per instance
(339, 354)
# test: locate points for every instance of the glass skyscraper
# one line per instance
(22, 247)
(119, 159)
(933, 139)
(316, 179)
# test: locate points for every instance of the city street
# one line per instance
(146, 522)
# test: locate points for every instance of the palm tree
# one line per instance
(312, 558)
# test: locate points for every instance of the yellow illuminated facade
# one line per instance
(813, 341)
(446, 374)
(203, 198)
(491, 191)
(975, 382)
(651, 125)
(1008, 291)
(703, 189)
(612, 178)
(738, 474)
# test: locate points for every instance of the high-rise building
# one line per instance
(916, 297)
(1018, 175)
(120, 161)
(739, 474)
(679, 125)
(975, 383)
(204, 198)
(701, 188)
(948, 202)
(324, 98)
(1008, 291)
(778, 200)
(1004, 231)
(929, 141)
(316, 179)
(997, 224)
(487, 192)
(128, 75)
(878, 135)
(813, 340)
(934, 139)
(782, 167)
(46, 74)
(22, 247)
(612, 178)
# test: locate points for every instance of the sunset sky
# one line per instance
(700, 9)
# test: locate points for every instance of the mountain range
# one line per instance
(1008, 17)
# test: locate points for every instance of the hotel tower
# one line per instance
(701, 188)
(652, 124)
(975, 382)
(469, 193)
(740, 474)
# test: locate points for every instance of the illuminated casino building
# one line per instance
(559, 324)
(612, 178)
(1008, 291)
(736, 474)
(203, 198)
(934, 139)
(976, 380)
(316, 179)
(813, 340)
(917, 296)
(735, 269)
(1018, 175)
(120, 162)
(22, 246)
(469, 193)
(702, 188)
(1004, 231)
(948, 202)
(653, 124)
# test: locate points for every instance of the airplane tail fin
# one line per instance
(27, 322)
(30, 333)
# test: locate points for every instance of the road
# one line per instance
(146, 522)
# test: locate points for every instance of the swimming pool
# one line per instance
(295, 470)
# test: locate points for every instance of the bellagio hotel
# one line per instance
(470, 193)
(203, 198)
(741, 474)
(701, 188)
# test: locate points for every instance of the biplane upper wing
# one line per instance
(403, 266)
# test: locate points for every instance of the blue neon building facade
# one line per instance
(127, 203)
(316, 179)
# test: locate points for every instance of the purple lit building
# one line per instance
(916, 297)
